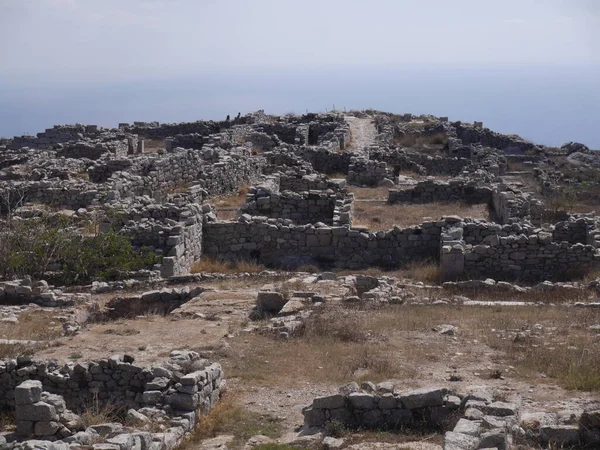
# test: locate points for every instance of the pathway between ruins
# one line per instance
(363, 133)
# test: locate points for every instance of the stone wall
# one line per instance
(215, 171)
(414, 161)
(56, 135)
(530, 257)
(174, 231)
(116, 380)
(470, 134)
(302, 207)
(429, 191)
(174, 394)
(282, 244)
(118, 148)
(312, 182)
(510, 205)
(383, 409)
(367, 172)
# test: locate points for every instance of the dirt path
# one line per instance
(363, 133)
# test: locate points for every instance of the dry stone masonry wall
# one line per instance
(177, 392)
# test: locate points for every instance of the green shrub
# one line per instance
(31, 247)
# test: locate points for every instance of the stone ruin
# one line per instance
(298, 172)
(295, 214)
(472, 420)
(157, 405)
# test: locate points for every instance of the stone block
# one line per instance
(423, 398)
(183, 402)
(28, 392)
(459, 441)
(329, 402)
(36, 412)
(45, 428)
(270, 301)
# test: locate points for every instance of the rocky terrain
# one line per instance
(360, 280)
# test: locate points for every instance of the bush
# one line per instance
(33, 247)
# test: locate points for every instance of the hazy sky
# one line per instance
(522, 66)
(85, 40)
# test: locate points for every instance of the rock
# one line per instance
(535, 420)
(349, 388)
(331, 442)
(423, 398)
(458, 441)
(449, 330)
(562, 435)
(329, 402)
(359, 400)
(271, 302)
(28, 392)
(501, 409)
(385, 387)
(258, 440)
(590, 417)
(474, 414)
(470, 427)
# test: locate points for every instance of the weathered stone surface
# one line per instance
(270, 301)
(423, 398)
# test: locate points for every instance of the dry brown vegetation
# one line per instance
(426, 271)
(229, 417)
(32, 326)
(379, 215)
(210, 265)
(340, 344)
(35, 326)
(153, 145)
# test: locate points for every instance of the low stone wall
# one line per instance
(101, 171)
(56, 135)
(510, 205)
(175, 394)
(303, 207)
(118, 148)
(414, 161)
(312, 182)
(368, 172)
(117, 381)
(471, 134)
(25, 292)
(440, 191)
(531, 257)
(283, 244)
(574, 231)
(383, 409)
(158, 301)
(176, 231)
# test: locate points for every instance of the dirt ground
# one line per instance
(277, 377)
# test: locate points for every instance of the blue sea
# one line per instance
(548, 105)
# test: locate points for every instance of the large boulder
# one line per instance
(269, 301)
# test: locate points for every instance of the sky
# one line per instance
(51, 49)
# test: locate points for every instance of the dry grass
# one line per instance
(229, 417)
(210, 265)
(96, 413)
(339, 345)
(425, 271)
(379, 215)
(153, 145)
(34, 326)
